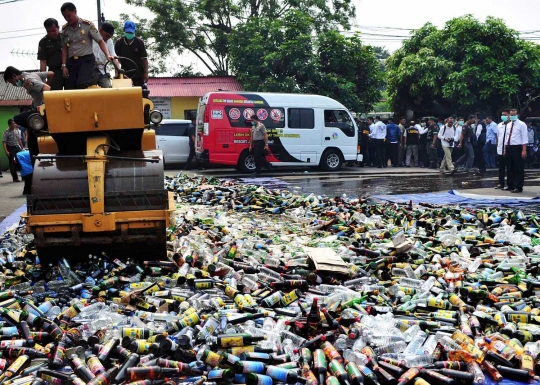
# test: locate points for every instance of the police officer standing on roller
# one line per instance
(78, 59)
(50, 54)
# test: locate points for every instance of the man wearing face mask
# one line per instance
(502, 134)
(34, 83)
(515, 152)
(132, 47)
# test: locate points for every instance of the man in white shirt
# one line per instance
(446, 135)
(99, 77)
(502, 132)
(515, 152)
(378, 136)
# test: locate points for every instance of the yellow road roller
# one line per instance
(98, 180)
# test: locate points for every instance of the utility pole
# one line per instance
(100, 16)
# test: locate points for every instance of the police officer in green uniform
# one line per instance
(77, 53)
(433, 129)
(50, 54)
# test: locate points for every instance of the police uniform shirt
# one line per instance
(79, 39)
(50, 50)
(519, 134)
(258, 131)
(33, 84)
(11, 138)
(101, 59)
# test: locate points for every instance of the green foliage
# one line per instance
(202, 27)
(466, 66)
(289, 55)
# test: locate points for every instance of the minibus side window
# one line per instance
(339, 119)
(301, 118)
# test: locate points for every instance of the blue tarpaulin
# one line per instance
(453, 197)
(12, 218)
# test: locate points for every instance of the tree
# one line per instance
(466, 66)
(202, 27)
(381, 52)
(289, 55)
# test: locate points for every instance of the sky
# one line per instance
(393, 19)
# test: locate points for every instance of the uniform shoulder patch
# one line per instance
(86, 21)
(64, 26)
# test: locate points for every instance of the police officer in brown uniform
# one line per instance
(77, 53)
(50, 54)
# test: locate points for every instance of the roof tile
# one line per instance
(191, 87)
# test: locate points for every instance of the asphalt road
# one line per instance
(352, 181)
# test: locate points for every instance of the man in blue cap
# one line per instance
(131, 47)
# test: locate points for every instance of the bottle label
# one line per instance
(9, 330)
(7, 343)
(143, 346)
(243, 349)
(352, 370)
(264, 380)
(231, 358)
(479, 355)
(272, 299)
(516, 317)
(252, 367)
(95, 365)
(230, 291)
(212, 358)
(17, 365)
(500, 346)
(216, 374)
(436, 302)
(277, 373)
(179, 298)
(51, 379)
(289, 298)
(190, 320)
(527, 362)
(336, 368)
(135, 332)
(232, 341)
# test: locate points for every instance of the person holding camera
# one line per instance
(446, 134)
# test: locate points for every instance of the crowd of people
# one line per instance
(71, 57)
(454, 145)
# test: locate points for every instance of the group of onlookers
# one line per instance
(454, 144)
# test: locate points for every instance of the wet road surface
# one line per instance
(366, 182)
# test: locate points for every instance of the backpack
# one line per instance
(472, 136)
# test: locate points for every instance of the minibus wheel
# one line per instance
(331, 160)
(246, 163)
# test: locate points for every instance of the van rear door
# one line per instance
(202, 125)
